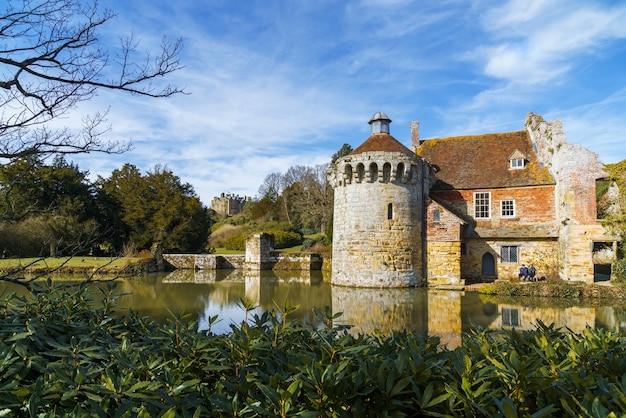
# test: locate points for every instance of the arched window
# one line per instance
(489, 265)
(386, 173)
(373, 172)
(390, 211)
(347, 174)
(400, 173)
(360, 173)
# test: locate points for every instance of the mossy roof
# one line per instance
(382, 142)
(482, 161)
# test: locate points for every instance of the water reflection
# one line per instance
(449, 314)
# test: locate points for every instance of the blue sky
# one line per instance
(280, 83)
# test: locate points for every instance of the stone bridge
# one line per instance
(259, 255)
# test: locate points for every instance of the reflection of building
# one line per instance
(228, 204)
(525, 317)
(469, 207)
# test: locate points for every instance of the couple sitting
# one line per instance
(527, 273)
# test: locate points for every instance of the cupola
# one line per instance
(380, 123)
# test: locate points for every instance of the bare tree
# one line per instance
(51, 59)
(272, 186)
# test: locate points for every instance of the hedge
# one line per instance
(63, 354)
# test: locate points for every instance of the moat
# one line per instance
(448, 314)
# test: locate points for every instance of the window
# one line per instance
(511, 317)
(507, 208)
(482, 205)
(390, 211)
(509, 253)
(517, 163)
(436, 215)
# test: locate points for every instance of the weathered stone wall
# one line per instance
(576, 170)
(204, 261)
(443, 245)
(369, 249)
(542, 253)
(444, 262)
(579, 257)
(259, 249)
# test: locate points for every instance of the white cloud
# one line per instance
(538, 41)
(278, 85)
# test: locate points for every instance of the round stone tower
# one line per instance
(379, 199)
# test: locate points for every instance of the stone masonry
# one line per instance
(379, 195)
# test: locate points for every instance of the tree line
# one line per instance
(295, 206)
(53, 209)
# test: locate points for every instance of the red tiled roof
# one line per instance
(382, 142)
(482, 161)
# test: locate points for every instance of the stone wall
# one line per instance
(443, 262)
(443, 245)
(259, 252)
(576, 170)
(203, 261)
(541, 253)
(377, 239)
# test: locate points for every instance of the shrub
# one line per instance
(63, 354)
(307, 243)
(285, 239)
(619, 271)
(236, 242)
(220, 235)
(317, 243)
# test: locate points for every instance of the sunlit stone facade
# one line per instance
(379, 202)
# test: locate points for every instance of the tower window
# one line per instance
(390, 211)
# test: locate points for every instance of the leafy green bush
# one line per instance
(317, 241)
(307, 243)
(619, 271)
(285, 239)
(63, 354)
(236, 242)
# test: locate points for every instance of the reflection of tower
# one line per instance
(444, 317)
(379, 194)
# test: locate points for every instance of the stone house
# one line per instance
(485, 204)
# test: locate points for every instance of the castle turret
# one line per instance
(379, 199)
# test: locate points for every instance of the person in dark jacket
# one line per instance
(531, 272)
(523, 272)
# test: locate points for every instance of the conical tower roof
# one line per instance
(380, 140)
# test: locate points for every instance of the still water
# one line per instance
(448, 314)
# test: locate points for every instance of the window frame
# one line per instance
(508, 259)
(482, 196)
(517, 163)
(513, 208)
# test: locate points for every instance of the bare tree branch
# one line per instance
(51, 59)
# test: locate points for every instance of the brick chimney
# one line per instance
(415, 133)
